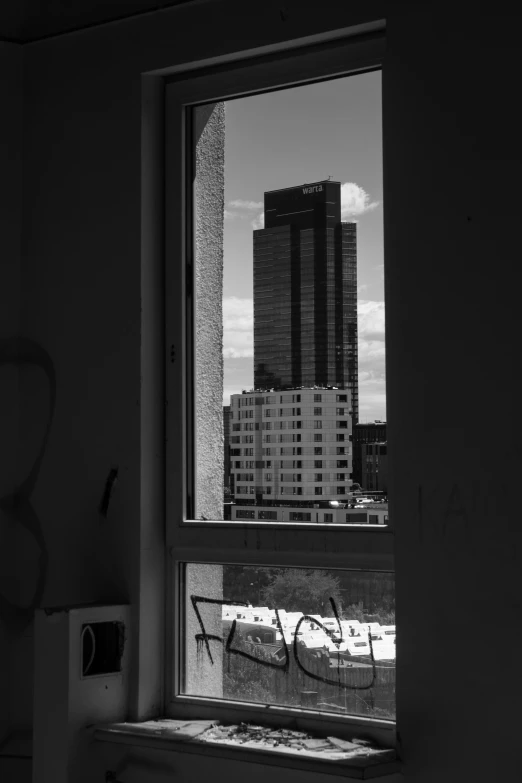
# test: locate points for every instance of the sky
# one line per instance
(287, 138)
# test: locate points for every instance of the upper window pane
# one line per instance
(300, 208)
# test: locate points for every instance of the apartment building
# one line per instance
(291, 445)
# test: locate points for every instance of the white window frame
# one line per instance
(325, 546)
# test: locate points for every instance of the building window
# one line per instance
(339, 411)
(318, 411)
(318, 424)
(318, 476)
(342, 463)
(244, 513)
(318, 491)
(318, 450)
(318, 438)
(265, 514)
(341, 425)
(341, 398)
(339, 438)
(328, 518)
(300, 516)
(317, 398)
(340, 450)
(341, 490)
(318, 463)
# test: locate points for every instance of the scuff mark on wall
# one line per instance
(107, 493)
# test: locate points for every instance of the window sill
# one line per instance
(183, 736)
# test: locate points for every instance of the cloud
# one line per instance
(371, 321)
(241, 208)
(355, 200)
(240, 203)
(258, 221)
(238, 328)
(230, 214)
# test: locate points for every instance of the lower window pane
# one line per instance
(296, 637)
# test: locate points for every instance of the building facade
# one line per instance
(363, 433)
(291, 446)
(226, 445)
(375, 466)
(305, 292)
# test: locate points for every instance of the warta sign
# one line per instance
(313, 189)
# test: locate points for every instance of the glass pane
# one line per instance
(321, 640)
(290, 305)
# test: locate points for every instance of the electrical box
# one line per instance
(81, 677)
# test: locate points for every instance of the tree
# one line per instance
(302, 590)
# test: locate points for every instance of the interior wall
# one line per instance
(451, 141)
(451, 190)
(11, 533)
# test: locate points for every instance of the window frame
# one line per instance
(256, 542)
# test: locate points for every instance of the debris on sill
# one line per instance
(355, 752)
(250, 735)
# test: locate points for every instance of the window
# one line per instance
(339, 438)
(328, 518)
(244, 513)
(318, 424)
(373, 519)
(341, 425)
(340, 450)
(266, 514)
(342, 463)
(318, 411)
(341, 398)
(318, 476)
(318, 450)
(205, 549)
(341, 490)
(339, 411)
(300, 516)
(318, 463)
(340, 476)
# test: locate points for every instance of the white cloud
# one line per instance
(230, 214)
(235, 353)
(355, 200)
(370, 320)
(240, 203)
(372, 391)
(238, 327)
(259, 221)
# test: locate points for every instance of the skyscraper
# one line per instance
(305, 292)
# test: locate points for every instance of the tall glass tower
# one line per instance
(305, 292)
